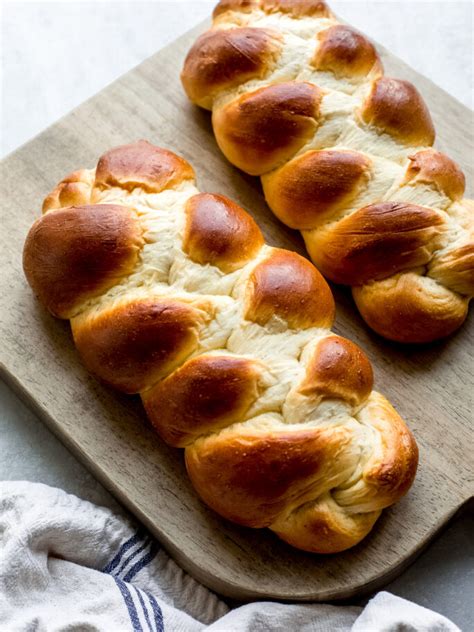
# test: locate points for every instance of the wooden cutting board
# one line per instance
(109, 432)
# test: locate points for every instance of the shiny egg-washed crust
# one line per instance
(344, 154)
(174, 295)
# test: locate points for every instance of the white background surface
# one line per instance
(57, 54)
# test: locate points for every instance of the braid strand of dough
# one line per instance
(344, 154)
(174, 295)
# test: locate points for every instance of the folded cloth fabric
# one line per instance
(66, 564)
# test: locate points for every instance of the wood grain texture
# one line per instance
(430, 386)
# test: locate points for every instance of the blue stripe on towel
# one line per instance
(132, 611)
(123, 549)
(137, 567)
(131, 557)
(144, 608)
(157, 612)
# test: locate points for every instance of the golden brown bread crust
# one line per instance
(308, 189)
(295, 8)
(376, 242)
(133, 345)
(234, 5)
(287, 286)
(345, 52)
(205, 394)
(322, 526)
(395, 107)
(264, 128)
(330, 137)
(73, 190)
(391, 475)
(434, 168)
(173, 295)
(406, 308)
(251, 478)
(74, 254)
(245, 479)
(223, 59)
(219, 232)
(339, 369)
(141, 165)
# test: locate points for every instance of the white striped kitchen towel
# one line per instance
(67, 565)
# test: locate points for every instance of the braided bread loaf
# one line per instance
(173, 294)
(344, 154)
